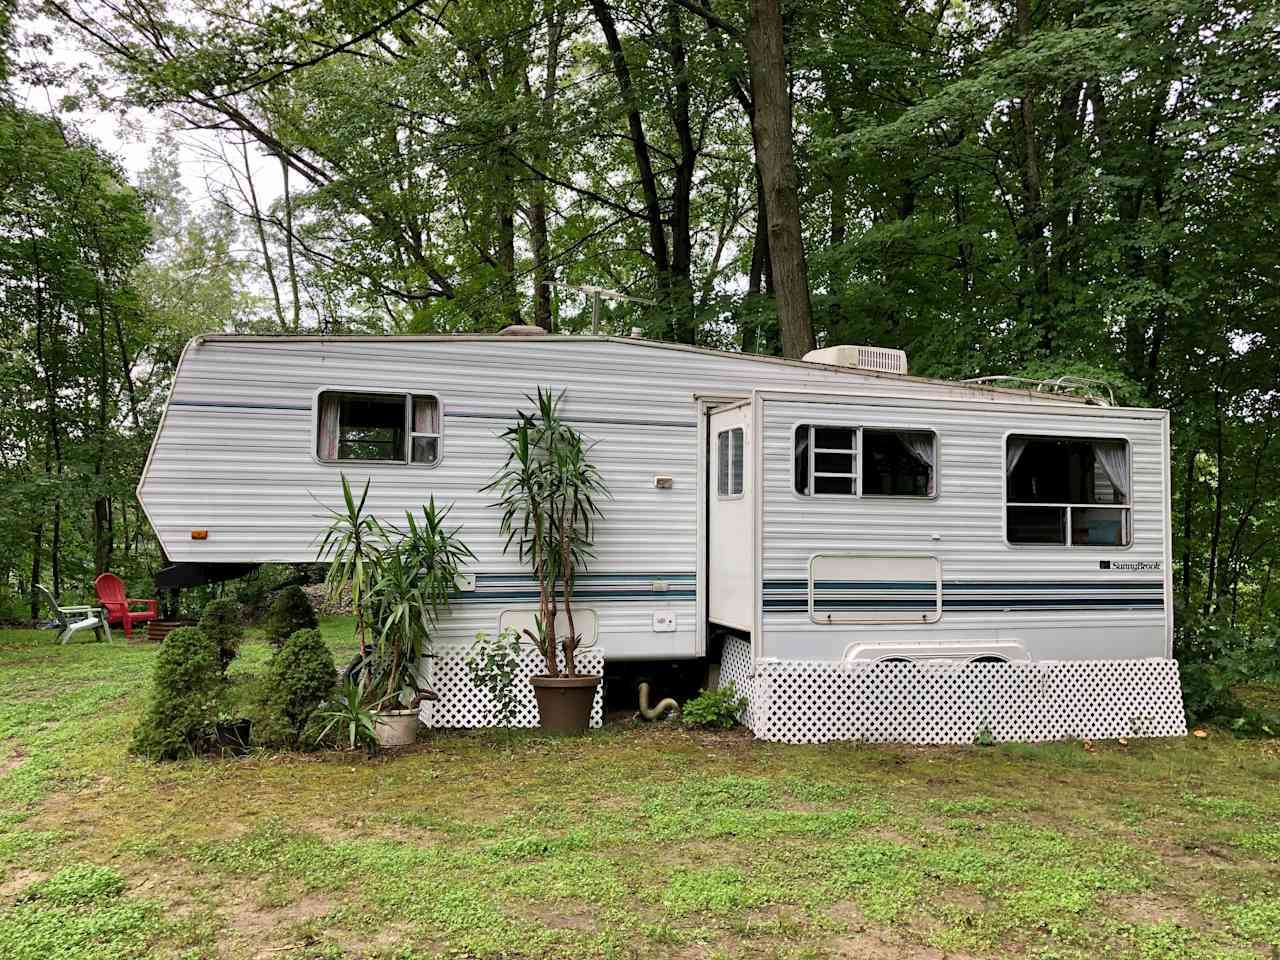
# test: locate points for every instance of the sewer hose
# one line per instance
(655, 712)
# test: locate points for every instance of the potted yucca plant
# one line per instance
(548, 491)
(400, 580)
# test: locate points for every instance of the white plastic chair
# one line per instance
(73, 620)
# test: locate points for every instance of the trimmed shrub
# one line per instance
(290, 612)
(187, 691)
(714, 708)
(221, 623)
(300, 678)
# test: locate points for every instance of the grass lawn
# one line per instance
(636, 841)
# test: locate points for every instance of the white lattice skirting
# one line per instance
(808, 701)
(462, 705)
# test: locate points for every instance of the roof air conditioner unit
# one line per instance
(879, 359)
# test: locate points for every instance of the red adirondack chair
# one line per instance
(110, 590)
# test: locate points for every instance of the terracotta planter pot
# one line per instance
(564, 703)
(395, 728)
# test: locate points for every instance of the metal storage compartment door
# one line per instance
(875, 588)
(731, 519)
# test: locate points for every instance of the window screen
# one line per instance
(390, 427)
(730, 471)
(1068, 491)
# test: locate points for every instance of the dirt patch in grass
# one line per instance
(388, 940)
(265, 930)
(18, 881)
(13, 761)
(1151, 907)
(559, 916)
(870, 946)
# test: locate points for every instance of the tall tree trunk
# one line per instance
(126, 371)
(539, 238)
(1067, 124)
(288, 244)
(1188, 483)
(507, 241)
(775, 157)
(1033, 229)
(256, 215)
(101, 506)
(1215, 538)
(37, 555)
(541, 249)
(51, 410)
(639, 146)
(124, 526)
(682, 195)
(759, 273)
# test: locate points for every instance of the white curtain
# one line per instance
(426, 415)
(1114, 458)
(920, 446)
(1017, 446)
(327, 441)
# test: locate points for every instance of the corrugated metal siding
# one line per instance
(1079, 613)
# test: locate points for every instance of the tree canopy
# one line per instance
(1072, 186)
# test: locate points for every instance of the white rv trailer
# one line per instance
(823, 516)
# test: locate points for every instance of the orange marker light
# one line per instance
(199, 534)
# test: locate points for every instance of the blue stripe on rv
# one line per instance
(493, 587)
(803, 585)
(793, 595)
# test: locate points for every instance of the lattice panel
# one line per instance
(736, 668)
(799, 701)
(462, 705)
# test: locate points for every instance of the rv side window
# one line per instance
(898, 463)
(826, 460)
(1068, 491)
(729, 466)
(864, 461)
(424, 446)
(387, 427)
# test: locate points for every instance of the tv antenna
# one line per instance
(596, 293)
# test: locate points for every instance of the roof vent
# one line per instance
(522, 330)
(880, 359)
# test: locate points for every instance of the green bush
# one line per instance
(221, 623)
(492, 664)
(187, 692)
(1214, 658)
(290, 612)
(714, 708)
(300, 678)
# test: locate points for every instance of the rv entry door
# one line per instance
(731, 518)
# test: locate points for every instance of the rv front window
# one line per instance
(729, 466)
(1068, 491)
(388, 427)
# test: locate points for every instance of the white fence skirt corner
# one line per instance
(462, 705)
(810, 701)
